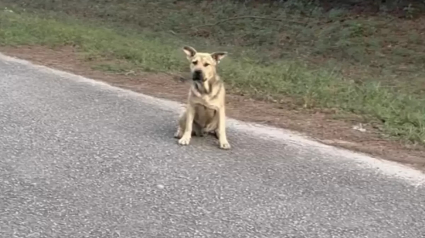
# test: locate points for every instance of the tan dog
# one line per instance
(205, 111)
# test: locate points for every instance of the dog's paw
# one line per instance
(198, 134)
(224, 145)
(177, 135)
(185, 140)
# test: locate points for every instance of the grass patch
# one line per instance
(264, 61)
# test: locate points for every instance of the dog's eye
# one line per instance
(206, 64)
(195, 62)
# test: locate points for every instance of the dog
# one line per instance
(205, 109)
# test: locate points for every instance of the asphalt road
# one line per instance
(82, 159)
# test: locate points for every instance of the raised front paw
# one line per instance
(185, 140)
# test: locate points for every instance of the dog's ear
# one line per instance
(189, 51)
(217, 56)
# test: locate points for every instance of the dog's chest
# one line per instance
(202, 89)
(204, 115)
(205, 101)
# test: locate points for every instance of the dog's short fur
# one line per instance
(205, 111)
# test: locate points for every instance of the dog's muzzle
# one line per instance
(197, 76)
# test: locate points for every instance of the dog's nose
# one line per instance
(197, 75)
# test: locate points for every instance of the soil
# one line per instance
(319, 125)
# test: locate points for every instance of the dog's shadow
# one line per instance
(167, 133)
(206, 139)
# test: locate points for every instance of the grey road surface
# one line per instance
(82, 159)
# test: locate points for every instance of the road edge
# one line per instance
(385, 167)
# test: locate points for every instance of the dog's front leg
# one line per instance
(222, 138)
(187, 133)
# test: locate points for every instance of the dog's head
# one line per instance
(203, 65)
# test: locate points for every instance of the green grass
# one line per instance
(263, 61)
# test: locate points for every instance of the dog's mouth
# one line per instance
(198, 76)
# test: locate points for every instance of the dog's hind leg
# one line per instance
(212, 127)
(214, 133)
(197, 130)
